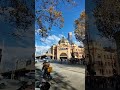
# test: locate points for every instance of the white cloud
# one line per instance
(50, 40)
(41, 50)
(47, 43)
(61, 35)
(77, 43)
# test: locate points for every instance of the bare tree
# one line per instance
(80, 27)
(49, 14)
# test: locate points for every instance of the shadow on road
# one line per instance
(61, 83)
(57, 83)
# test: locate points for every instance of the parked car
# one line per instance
(30, 76)
(36, 60)
(3, 83)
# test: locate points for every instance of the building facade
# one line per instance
(104, 58)
(64, 49)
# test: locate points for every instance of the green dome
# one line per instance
(63, 40)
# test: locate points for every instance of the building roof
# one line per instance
(48, 54)
(63, 40)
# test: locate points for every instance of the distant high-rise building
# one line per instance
(70, 37)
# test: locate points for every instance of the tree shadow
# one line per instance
(60, 83)
(38, 73)
(57, 83)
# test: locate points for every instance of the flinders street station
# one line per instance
(64, 50)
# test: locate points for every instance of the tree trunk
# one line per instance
(117, 40)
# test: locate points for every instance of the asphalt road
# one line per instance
(65, 77)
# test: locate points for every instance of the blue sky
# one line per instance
(70, 14)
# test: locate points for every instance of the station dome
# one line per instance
(63, 40)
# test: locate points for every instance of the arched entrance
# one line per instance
(63, 56)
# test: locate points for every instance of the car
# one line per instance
(3, 83)
(36, 60)
(40, 60)
(9, 84)
(30, 76)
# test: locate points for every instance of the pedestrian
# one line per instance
(49, 70)
(44, 69)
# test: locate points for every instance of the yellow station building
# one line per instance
(64, 49)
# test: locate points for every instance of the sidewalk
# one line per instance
(11, 84)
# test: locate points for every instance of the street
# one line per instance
(65, 77)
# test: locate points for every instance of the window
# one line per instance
(99, 56)
(115, 64)
(102, 71)
(99, 62)
(113, 57)
(105, 63)
(109, 63)
(109, 72)
(110, 56)
(106, 72)
(87, 55)
(104, 56)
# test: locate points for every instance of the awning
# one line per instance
(48, 54)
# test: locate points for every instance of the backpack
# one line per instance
(50, 69)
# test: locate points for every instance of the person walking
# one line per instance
(44, 69)
(49, 70)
